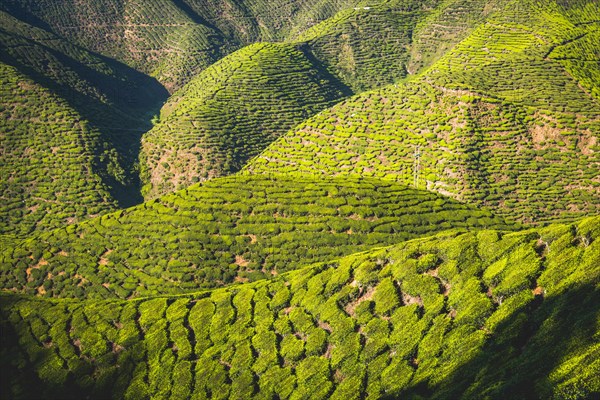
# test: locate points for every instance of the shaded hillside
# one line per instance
(54, 167)
(106, 92)
(172, 40)
(231, 112)
(227, 230)
(498, 121)
(453, 316)
(113, 99)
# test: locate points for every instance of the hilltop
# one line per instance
(232, 111)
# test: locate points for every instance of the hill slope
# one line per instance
(172, 40)
(227, 230)
(501, 120)
(67, 98)
(51, 171)
(105, 91)
(235, 108)
(231, 111)
(454, 316)
(373, 44)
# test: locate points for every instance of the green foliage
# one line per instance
(194, 343)
(230, 112)
(172, 40)
(234, 229)
(492, 103)
(47, 164)
(516, 90)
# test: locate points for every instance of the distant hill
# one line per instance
(232, 111)
(172, 40)
(377, 43)
(483, 314)
(503, 120)
(227, 230)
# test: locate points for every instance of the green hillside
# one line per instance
(445, 25)
(377, 43)
(366, 46)
(227, 230)
(231, 112)
(300, 199)
(57, 96)
(502, 120)
(172, 40)
(106, 92)
(53, 166)
(478, 315)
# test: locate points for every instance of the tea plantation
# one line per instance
(227, 230)
(172, 40)
(231, 112)
(49, 173)
(484, 314)
(236, 107)
(104, 91)
(70, 129)
(501, 120)
(308, 199)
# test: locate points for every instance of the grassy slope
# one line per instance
(484, 314)
(366, 47)
(231, 111)
(227, 230)
(374, 44)
(450, 22)
(501, 97)
(50, 172)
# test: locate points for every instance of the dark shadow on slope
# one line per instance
(17, 377)
(121, 112)
(18, 11)
(20, 380)
(518, 359)
(323, 71)
(194, 16)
